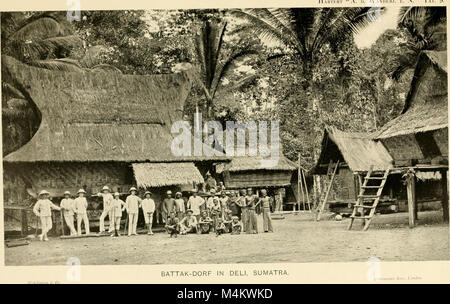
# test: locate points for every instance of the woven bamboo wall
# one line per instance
(257, 178)
(403, 148)
(59, 177)
(441, 138)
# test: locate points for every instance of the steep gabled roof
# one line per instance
(99, 116)
(358, 150)
(426, 105)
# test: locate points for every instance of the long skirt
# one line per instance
(267, 220)
(252, 226)
(244, 219)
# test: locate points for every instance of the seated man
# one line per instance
(236, 226)
(189, 223)
(171, 224)
(220, 227)
(205, 223)
(228, 219)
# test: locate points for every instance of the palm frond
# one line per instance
(38, 29)
(225, 67)
(264, 29)
(58, 65)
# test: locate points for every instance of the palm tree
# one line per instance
(426, 30)
(305, 31)
(214, 63)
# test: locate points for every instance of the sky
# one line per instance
(370, 34)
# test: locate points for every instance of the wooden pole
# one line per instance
(445, 195)
(322, 206)
(62, 223)
(299, 183)
(411, 193)
(306, 189)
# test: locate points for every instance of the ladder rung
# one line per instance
(371, 187)
(368, 196)
(375, 177)
(361, 217)
(364, 206)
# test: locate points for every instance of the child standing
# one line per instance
(116, 210)
(132, 206)
(67, 206)
(43, 209)
(80, 207)
(148, 208)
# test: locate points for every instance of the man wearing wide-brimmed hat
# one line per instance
(189, 223)
(132, 206)
(43, 210)
(168, 206)
(195, 203)
(67, 206)
(80, 208)
(107, 199)
(148, 208)
(116, 209)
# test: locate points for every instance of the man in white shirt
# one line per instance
(107, 199)
(43, 209)
(148, 208)
(132, 206)
(80, 208)
(67, 205)
(194, 203)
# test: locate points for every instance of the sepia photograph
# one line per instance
(225, 136)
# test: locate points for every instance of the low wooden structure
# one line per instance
(98, 128)
(413, 146)
(417, 139)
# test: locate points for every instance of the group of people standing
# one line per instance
(219, 211)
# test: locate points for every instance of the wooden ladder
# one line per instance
(331, 173)
(363, 196)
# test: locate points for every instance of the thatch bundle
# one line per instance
(166, 174)
(358, 150)
(99, 116)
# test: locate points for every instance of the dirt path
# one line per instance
(297, 239)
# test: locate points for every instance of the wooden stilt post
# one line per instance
(411, 193)
(445, 195)
(306, 190)
(299, 183)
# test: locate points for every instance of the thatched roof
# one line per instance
(426, 106)
(356, 149)
(253, 163)
(166, 174)
(99, 116)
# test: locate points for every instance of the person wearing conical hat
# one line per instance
(148, 208)
(107, 199)
(67, 206)
(132, 206)
(80, 208)
(168, 206)
(43, 210)
(117, 206)
(179, 205)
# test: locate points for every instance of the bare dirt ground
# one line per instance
(297, 239)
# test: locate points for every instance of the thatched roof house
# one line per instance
(357, 151)
(419, 135)
(249, 171)
(98, 128)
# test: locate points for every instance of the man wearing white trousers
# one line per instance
(43, 209)
(67, 205)
(107, 210)
(132, 206)
(148, 208)
(80, 208)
